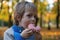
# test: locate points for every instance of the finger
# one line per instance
(37, 31)
(29, 32)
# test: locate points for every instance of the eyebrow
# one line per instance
(32, 14)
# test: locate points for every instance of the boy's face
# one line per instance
(29, 17)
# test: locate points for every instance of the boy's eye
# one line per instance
(29, 15)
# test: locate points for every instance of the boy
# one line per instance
(25, 13)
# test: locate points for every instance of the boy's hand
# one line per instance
(34, 29)
(26, 33)
(38, 29)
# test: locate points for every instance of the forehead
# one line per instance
(32, 12)
(30, 8)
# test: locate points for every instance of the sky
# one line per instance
(29, 0)
(49, 1)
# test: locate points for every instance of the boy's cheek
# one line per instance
(27, 23)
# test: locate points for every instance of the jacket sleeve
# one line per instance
(8, 36)
(17, 36)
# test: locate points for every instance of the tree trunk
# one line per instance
(57, 18)
(49, 25)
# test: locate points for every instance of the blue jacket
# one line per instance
(13, 33)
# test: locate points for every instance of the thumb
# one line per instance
(38, 28)
(27, 30)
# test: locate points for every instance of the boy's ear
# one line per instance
(18, 17)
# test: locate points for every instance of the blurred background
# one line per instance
(48, 14)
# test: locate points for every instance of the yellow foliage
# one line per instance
(0, 16)
(5, 4)
(46, 18)
(4, 14)
(53, 16)
(6, 18)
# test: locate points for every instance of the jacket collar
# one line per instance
(16, 28)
